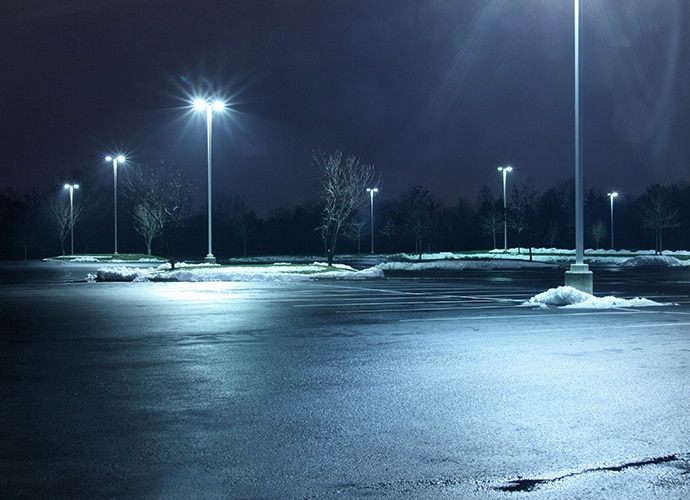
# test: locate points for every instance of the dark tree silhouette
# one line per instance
(418, 216)
(657, 214)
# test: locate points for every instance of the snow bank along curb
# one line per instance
(204, 272)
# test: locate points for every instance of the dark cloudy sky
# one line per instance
(433, 92)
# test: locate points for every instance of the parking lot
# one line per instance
(422, 385)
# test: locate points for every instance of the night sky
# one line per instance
(433, 92)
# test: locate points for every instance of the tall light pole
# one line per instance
(71, 188)
(372, 192)
(209, 107)
(505, 171)
(612, 195)
(115, 160)
(579, 184)
(579, 276)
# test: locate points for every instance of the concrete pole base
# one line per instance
(210, 259)
(580, 277)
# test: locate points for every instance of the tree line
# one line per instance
(157, 216)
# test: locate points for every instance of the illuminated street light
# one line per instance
(115, 160)
(579, 276)
(71, 188)
(372, 192)
(505, 171)
(612, 195)
(209, 107)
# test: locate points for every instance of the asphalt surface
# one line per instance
(431, 385)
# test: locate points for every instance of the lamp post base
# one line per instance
(210, 259)
(580, 277)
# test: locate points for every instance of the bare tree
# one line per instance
(491, 223)
(489, 214)
(243, 220)
(64, 219)
(343, 187)
(657, 215)
(517, 221)
(389, 228)
(149, 222)
(551, 233)
(522, 208)
(597, 232)
(26, 232)
(163, 193)
(418, 216)
(355, 230)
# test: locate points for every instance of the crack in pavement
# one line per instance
(529, 484)
(409, 486)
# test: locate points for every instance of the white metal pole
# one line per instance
(71, 218)
(209, 122)
(372, 192)
(505, 213)
(579, 178)
(115, 196)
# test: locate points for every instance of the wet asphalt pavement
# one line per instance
(416, 386)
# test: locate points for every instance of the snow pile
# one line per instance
(567, 296)
(209, 273)
(455, 265)
(119, 273)
(653, 260)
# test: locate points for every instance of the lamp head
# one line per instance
(200, 104)
(204, 105)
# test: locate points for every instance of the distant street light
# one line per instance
(209, 107)
(115, 160)
(71, 188)
(612, 195)
(505, 171)
(372, 192)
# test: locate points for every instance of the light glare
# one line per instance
(203, 105)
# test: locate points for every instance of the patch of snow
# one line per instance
(205, 273)
(653, 260)
(293, 269)
(455, 265)
(567, 296)
(119, 273)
